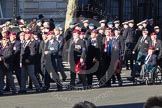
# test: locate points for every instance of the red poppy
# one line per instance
(80, 67)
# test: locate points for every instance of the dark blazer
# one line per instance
(28, 53)
(125, 33)
(130, 35)
(16, 53)
(153, 60)
(53, 49)
(41, 50)
(77, 51)
(50, 59)
(143, 46)
(7, 57)
(93, 51)
(121, 43)
(88, 33)
(118, 46)
(100, 38)
(159, 36)
(158, 48)
(37, 55)
(138, 34)
(61, 45)
(68, 34)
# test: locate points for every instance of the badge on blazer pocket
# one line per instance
(51, 48)
(78, 47)
(146, 42)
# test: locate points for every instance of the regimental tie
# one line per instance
(147, 58)
(142, 39)
(154, 43)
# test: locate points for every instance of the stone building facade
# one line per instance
(32, 8)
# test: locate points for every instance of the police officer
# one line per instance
(67, 37)
(88, 33)
(102, 24)
(158, 32)
(129, 43)
(117, 24)
(145, 24)
(85, 26)
(138, 31)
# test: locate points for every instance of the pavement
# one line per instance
(127, 96)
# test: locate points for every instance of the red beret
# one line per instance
(153, 33)
(111, 34)
(82, 33)
(6, 37)
(29, 32)
(50, 32)
(94, 31)
(12, 33)
(151, 48)
(76, 31)
(107, 29)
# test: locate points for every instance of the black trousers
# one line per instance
(105, 66)
(82, 77)
(38, 72)
(17, 71)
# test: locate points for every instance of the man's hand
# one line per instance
(94, 59)
(46, 52)
(133, 52)
(0, 58)
(14, 48)
(20, 65)
(81, 60)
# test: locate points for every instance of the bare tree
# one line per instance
(71, 12)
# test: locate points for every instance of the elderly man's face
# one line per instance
(12, 37)
(150, 51)
(27, 36)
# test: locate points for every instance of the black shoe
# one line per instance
(127, 68)
(64, 79)
(6, 89)
(71, 87)
(59, 89)
(52, 81)
(38, 90)
(79, 82)
(30, 87)
(22, 92)
(14, 92)
(114, 82)
(120, 83)
(45, 88)
(130, 78)
(1, 93)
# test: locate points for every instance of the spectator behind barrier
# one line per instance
(154, 102)
(84, 104)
